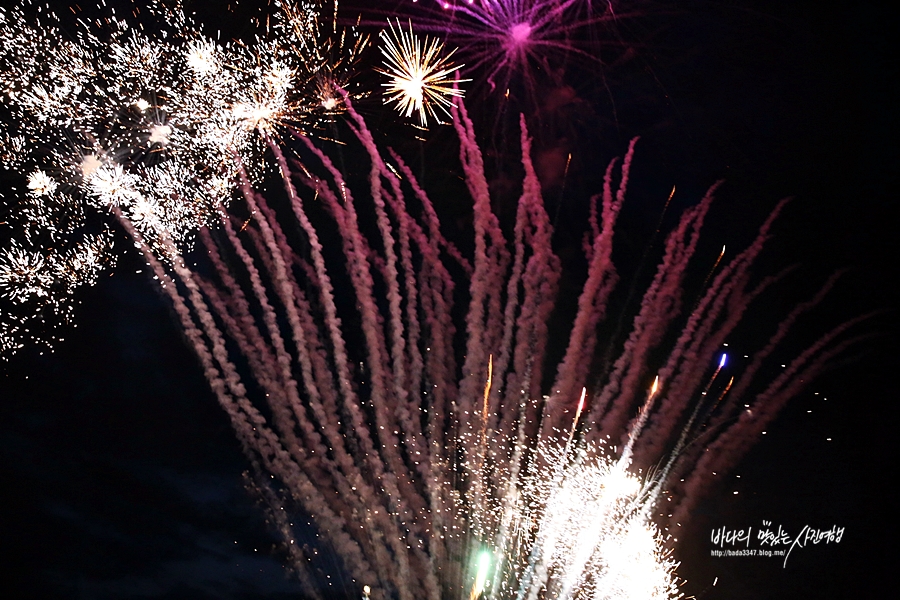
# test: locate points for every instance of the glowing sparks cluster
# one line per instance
(157, 127)
(420, 76)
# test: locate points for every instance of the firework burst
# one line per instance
(516, 46)
(425, 480)
(156, 126)
(420, 75)
(433, 479)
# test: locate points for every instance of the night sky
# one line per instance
(122, 478)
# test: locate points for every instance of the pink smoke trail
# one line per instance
(368, 422)
(659, 307)
(700, 339)
(259, 444)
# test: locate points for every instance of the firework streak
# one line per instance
(432, 480)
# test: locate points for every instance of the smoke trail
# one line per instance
(407, 462)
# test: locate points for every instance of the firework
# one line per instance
(149, 124)
(426, 477)
(516, 43)
(432, 479)
(420, 75)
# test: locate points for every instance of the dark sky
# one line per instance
(122, 479)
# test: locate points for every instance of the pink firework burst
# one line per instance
(518, 42)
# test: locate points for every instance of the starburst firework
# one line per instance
(420, 74)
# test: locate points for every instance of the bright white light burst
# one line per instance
(420, 77)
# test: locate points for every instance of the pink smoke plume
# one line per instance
(368, 418)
